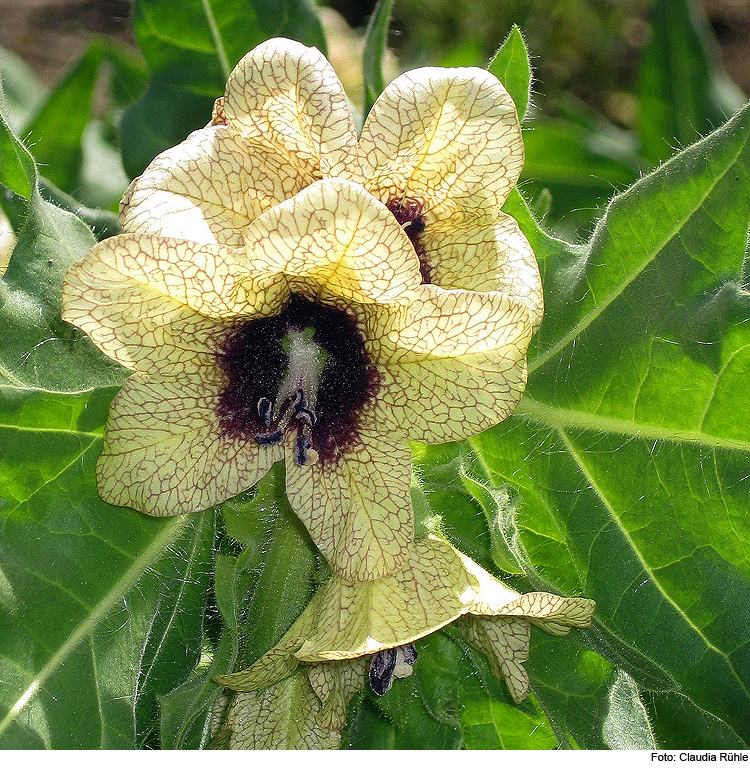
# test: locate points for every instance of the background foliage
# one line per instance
(624, 475)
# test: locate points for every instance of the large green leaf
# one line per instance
(190, 55)
(627, 460)
(101, 608)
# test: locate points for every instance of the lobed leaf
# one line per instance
(626, 464)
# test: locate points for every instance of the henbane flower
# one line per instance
(347, 623)
(284, 291)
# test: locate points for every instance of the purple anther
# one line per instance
(269, 438)
(265, 412)
(307, 416)
(382, 666)
(300, 450)
(417, 224)
(298, 400)
(407, 653)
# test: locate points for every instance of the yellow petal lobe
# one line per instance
(208, 188)
(486, 258)
(164, 453)
(358, 509)
(447, 138)
(361, 618)
(334, 242)
(283, 716)
(453, 362)
(288, 97)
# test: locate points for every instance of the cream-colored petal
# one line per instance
(355, 619)
(288, 97)
(357, 509)
(336, 683)
(164, 451)
(486, 258)
(209, 188)
(551, 612)
(334, 241)
(141, 297)
(283, 716)
(505, 643)
(453, 363)
(448, 139)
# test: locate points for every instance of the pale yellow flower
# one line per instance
(285, 292)
(441, 148)
(347, 621)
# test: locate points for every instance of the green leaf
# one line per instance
(179, 583)
(628, 456)
(374, 50)
(56, 130)
(683, 91)
(279, 568)
(17, 167)
(510, 65)
(40, 350)
(74, 572)
(23, 91)
(190, 55)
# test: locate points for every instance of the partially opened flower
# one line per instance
(273, 308)
(380, 620)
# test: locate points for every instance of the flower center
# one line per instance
(408, 213)
(304, 373)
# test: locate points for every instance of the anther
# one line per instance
(298, 400)
(269, 438)
(417, 224)
(307, 416)
(406, 656)
(265, 412)
(382, 666)
(301, 445)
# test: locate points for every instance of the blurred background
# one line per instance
(619, 85)
(589, 48)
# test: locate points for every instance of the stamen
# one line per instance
(382, 666)
(265, 412)
(307, 416)
(417, 224)
(301, 445)
(298, 400)
(269, 438)
(406, 656)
